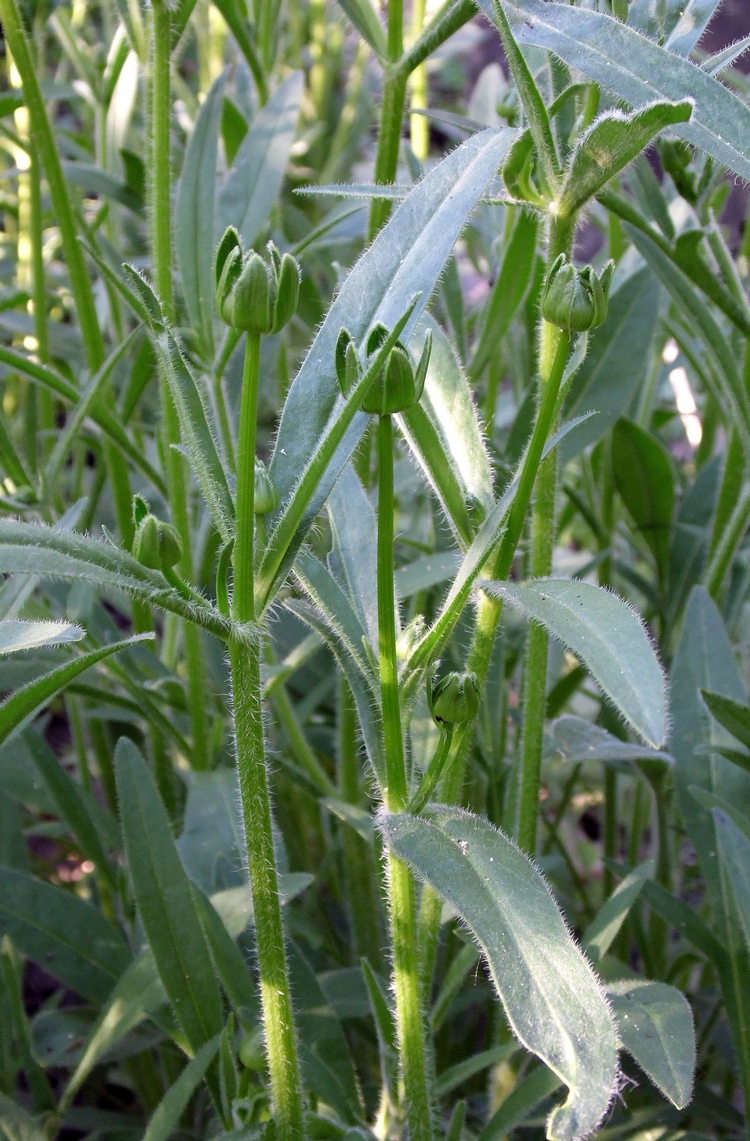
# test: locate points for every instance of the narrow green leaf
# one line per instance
(513, 279)
(197, 433)
(67, 937)
(23, 703)
(325, 593)
(31, 548)
(687, 922)
(694, 19)
(138, 993)
(17, 1124)
(17, 634)
(452, 1078)
(166, 1116)
(553, 1000)
(354, 528)
(579, 740)
(733, 715)
(609, 145)
(607, 635)
(365, 20)
(406, 259)
(734, 853)
(232, 970)
(528, 1095)
(254, 179)
(194, 216)
(655, 1025)
(644, 478)
(638, 71)
(164, 900)
(600, 934)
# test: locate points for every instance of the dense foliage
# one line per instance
(375, 744)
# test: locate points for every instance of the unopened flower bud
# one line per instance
(347, 362)
(454, 699)
(576, 300)
(266, 497)
(250, 299)
(399, 386)
(409, 637)
(287, 292)
(157, 544)
(254, 294)
(227, 268)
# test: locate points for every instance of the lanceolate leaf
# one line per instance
(553, 1000)
(31, 548)
(194, 215)
(644, 479)
(17, 634)
(168, 1112)
(695, 18)
(255, 177)
(734, 853)
(638, 71)
(406, 258)
(31, 697)
(67, 937)
(165, 901)
(600, 933)
(610, 144)
(197, 434)
(609, 638)
(655, 1025)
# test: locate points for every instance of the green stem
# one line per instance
(389, 141)
(281, 1045)
(244, 543)
(409, 1016)
(429, 781)
(275, 993)
(161, 263)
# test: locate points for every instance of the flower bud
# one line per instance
(157, 544)
(287, 291)
(347, 362)
(576, 300)
(250, 304)
(409, 637)
(454, 699)
(227, 268)
(253, 294)
(266, 497)
(398, 386)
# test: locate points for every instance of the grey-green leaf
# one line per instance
(579, 740)
(598, 936)
(608, 636)
(164, 900)
(254, 179)
(734, 853)
(194, 216)
(553, 1000)
(406, 258)
(17, 634)
(166, 1116)
(638, 71)
(610, 144)
(655, 1025)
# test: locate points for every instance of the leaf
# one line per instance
(616, 360)
(198, 435)
(164, 900)
(644, 478)
(455, 1076)
(734, 853)
(355, 530)
(89, 823)
(17, 634)
(23, 703)
(734, 716)
(601, 932)
(194, 216)
(552, 998)
(426, 571)
(67, 937)
(166, 1116)
(17, 1124)
(528, 1095)
(693, 21)
(607, 635)
(655, 1025)
(254, 179)
(31, 548)
(443, 431)
(579, 741)
(705, 661)
(211, 843)
(609, 145)
(513, 279)
(138, 993)
(685, 920)
(230, 967)
(365, 20)
(638, 71)
(406, 258)
(338, 612)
